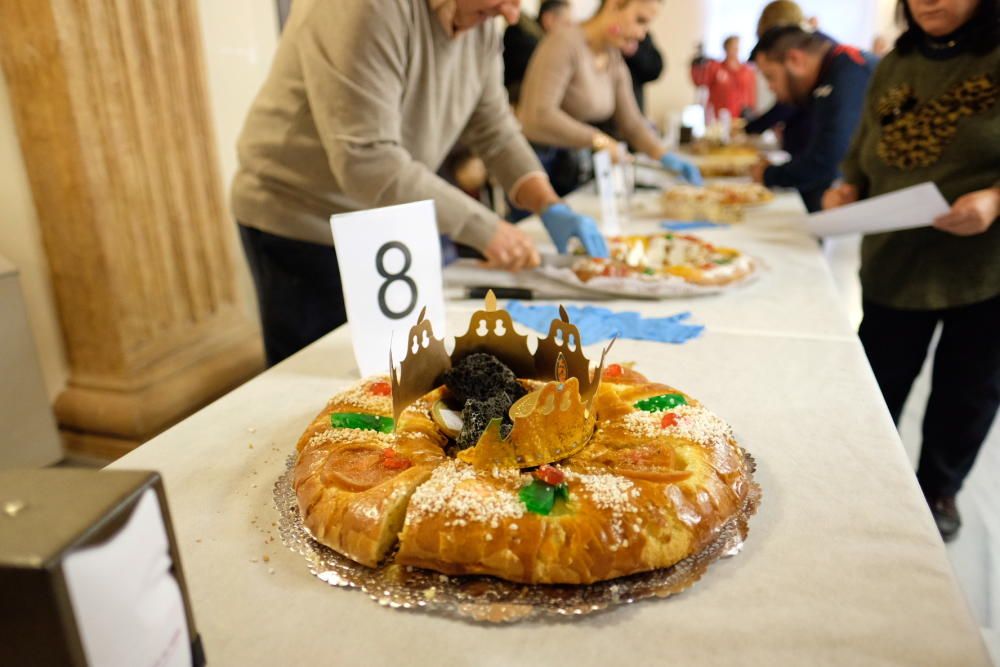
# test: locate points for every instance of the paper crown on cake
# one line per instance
(550, 423)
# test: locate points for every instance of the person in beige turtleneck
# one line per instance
(578, 83)
(362, 104)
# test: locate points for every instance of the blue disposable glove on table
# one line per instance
(562, 224)
(687, 170)
(684, 225)
(597, 324)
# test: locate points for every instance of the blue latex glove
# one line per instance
(563, 224)
(598, 324)
(684, 225)
(687, 170)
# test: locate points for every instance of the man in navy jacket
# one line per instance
(829, 81)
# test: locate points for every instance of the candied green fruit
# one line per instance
(540, 497)
(661, 402)
(362, 421)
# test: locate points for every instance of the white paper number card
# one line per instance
(390, 267)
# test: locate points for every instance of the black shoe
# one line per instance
(946, 516)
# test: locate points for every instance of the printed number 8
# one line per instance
(393, 277)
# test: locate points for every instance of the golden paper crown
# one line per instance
(549, 424)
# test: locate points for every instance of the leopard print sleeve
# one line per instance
(915, 132)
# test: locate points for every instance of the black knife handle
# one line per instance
(479, 292)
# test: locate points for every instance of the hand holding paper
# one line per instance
(842, 195)
(916, 206)
(972, 213)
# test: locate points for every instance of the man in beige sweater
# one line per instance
(363, 102)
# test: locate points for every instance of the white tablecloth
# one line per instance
(843, 565)
(795, 294)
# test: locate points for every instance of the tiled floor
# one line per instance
(975, 555)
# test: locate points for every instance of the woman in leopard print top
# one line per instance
(933, 114)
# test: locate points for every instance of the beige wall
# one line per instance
(21, 243)
(885, 19)
(678, 28)
(240, 37)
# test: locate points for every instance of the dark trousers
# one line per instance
(563, 167)
(298, 290)
(965, 381)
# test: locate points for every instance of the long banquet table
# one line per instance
(843, 565)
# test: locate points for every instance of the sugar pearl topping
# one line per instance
(352, 435)
(692, 422)
(360, 396)
(453, 491)
(616, 494)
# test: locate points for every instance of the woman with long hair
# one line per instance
(577, 91)
(933, 114)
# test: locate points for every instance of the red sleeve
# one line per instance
(704, 74)
(750, 82)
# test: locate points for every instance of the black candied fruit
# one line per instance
(477, 415)
(480, 376)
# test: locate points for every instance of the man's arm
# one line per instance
(779, 113)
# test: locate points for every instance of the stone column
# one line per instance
(110, 102)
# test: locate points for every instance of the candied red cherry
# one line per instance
(550, 475)
(381, 389)
(393, 462)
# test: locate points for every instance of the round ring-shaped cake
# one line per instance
(654, 484)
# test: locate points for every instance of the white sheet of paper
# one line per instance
(915, 206)
(128, 606)
(390, 267)
(605, 176)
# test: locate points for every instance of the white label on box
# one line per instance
(604, 174)
(390, 267)
(128, 606)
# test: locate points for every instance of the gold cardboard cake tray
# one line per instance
(491, 600)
